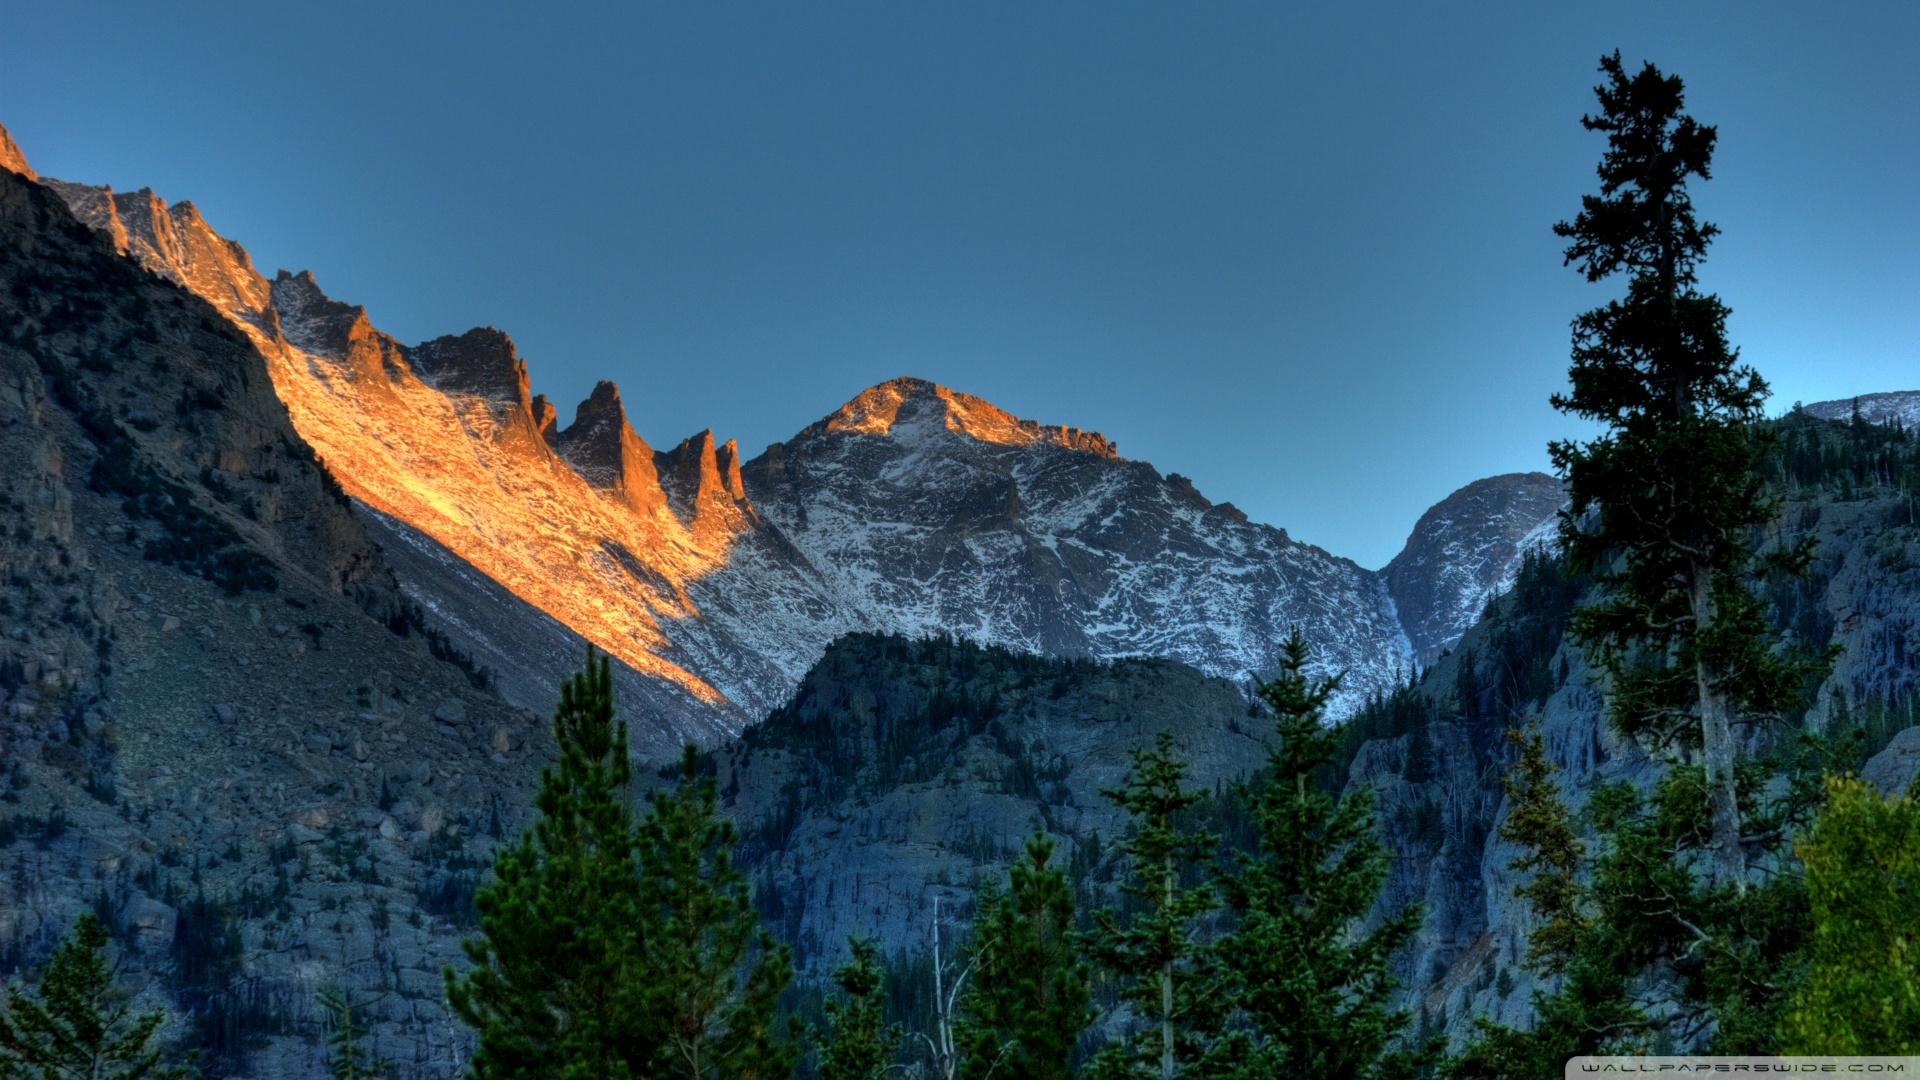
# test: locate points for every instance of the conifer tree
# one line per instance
(1861, 991)
(1029, 1001)
(1158, 957)
(858, 1043)
(77, 1025)
(1540, 824)
(350, 1060)
(552, 990)
(1312, 990)
(1587, 954)
(713, 975)
(1664, 501)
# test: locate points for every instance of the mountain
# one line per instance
(717, 582)
(1899, 406)
(933, 511)
(1467, 550)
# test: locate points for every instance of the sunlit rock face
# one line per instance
(443, 437)
(718, 582)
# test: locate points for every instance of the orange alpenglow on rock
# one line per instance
(445, 437)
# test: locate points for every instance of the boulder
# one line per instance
(151, 923)
(1894, 769)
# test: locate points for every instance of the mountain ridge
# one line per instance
(911, 508)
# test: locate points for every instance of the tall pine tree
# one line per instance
(1665, 500)
(714, 976)
(76, 1025)
(1539, 823)
(1029, 1000)
(1158, 957)
(1313, 991)
(552, 991)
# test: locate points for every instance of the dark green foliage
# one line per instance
(1158, 958)
(1665, 502)
(1028, 1002)
(1727, 959)
(232, 1017)
(447, 888)
(882, 711)
(347, 1059)
(1877, 719)
(858, 1044)
(1843, 459)
(76, 1025)
(614, 949)
(713, 976)
(1314, 992)
(561, 957)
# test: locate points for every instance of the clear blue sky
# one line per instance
(1300, 253)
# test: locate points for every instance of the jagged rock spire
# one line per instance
(703, 482)
(544, 417)
(482, 362)
(604, 450)
(12, 159)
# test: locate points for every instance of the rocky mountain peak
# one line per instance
(604, 450)
(911, 408)
(481, 362)
(545, 418)
(94, 207)
(1466, 550)
(11, 159)
(602, 404)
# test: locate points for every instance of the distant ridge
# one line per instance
(1897, 406)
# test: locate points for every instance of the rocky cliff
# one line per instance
(1435, 751)
(222, 726)
(906, 772)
